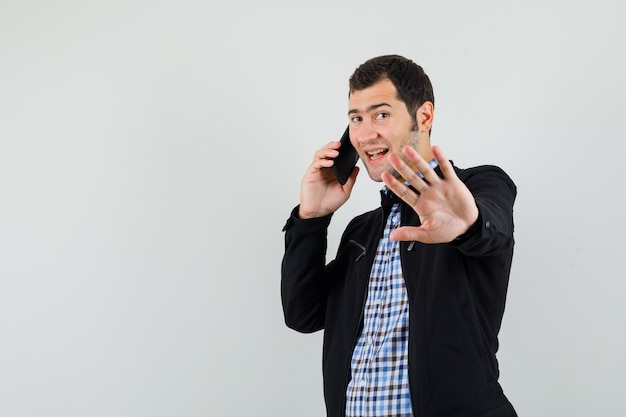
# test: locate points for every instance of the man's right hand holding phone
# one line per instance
(321, 193)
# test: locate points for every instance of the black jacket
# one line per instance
(456, 293)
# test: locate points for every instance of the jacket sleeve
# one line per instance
(495, 193)
(303, 273)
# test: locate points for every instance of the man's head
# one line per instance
(411, 82)
(390, 106)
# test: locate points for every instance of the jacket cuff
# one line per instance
(487, 226)
(305, 226)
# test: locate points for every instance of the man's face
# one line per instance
(380, 123)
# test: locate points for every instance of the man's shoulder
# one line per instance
(485, 175)
(478, 169)
(481, 170)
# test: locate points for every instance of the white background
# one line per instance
(150, 152)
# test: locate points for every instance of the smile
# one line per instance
(376, 154)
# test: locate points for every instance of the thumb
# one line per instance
(351, 179)
(409, 233)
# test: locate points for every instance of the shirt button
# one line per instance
(487, 224)
(362, 383)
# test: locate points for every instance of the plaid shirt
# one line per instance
(380, 384)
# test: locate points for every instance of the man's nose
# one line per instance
(365, 132)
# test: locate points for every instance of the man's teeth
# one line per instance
(376, 152)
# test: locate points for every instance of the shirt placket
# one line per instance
(378, 308)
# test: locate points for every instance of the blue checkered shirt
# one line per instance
(379, 385)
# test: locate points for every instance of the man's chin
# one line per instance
(377, 177)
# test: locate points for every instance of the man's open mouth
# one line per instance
(376, 154)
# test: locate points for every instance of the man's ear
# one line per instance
(424, 116)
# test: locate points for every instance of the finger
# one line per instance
(427, 172)
(351, 179)
(331, 148)
(325, 155)
(406, 172)
(323, 163)
(411, 233)
(399, 189)
(444, 163)
(333, 145)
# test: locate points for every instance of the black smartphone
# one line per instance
(346, 160)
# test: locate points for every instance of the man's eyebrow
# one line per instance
(370, 108)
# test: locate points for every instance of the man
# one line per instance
(412, 304)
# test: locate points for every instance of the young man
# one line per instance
(412, 304)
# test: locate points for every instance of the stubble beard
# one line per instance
(412, 140)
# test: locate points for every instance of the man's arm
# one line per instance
(304, 273)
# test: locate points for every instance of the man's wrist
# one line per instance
(307, 214)
(470, 230)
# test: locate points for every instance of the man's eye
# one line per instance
(381, 116)
(356, 119)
